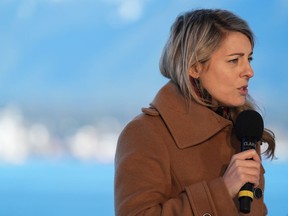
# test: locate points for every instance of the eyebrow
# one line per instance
(240, 54)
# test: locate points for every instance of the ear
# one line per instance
(194, 71)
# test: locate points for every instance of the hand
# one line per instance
(242, 170)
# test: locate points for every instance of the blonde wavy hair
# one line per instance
(194, 36)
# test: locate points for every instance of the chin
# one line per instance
(235, 103)
(232, 101)
(239, 103)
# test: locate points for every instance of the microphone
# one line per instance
(249, 128)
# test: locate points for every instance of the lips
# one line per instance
(243, 90)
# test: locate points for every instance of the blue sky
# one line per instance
(77, 61)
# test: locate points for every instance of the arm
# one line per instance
(143, 179)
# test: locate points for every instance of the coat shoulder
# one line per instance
(150, 111)
(140, 138)
(143, 130)
(143, 123)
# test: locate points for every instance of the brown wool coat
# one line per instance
(171, 158)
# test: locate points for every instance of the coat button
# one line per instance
(207, 214)
(257, 193)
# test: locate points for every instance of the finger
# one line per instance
(247, 167)
(248, 154)
(251, 171)
(248, 174)
(255, 155)
(252, 179)
(249, 164)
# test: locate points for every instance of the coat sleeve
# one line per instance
(143, 182)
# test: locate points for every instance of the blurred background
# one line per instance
(73, 73)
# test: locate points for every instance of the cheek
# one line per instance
(215, 82)
(219, 86)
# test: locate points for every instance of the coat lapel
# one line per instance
(189, 123)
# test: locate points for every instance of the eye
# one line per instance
(234, 61)
(250, 59)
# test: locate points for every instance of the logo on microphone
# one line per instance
(249, 145)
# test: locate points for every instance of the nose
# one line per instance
(247, 71)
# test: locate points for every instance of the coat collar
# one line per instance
(189, 123)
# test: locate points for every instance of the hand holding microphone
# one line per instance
(242, 170)
(245, 166)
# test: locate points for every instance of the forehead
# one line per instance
(234, 42)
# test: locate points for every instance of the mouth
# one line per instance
(243, 90)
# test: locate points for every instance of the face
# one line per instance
(225, 76)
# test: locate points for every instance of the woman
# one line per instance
(181, 155)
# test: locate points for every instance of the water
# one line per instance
(74, 188)
(54, 189)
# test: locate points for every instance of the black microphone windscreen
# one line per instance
(249, 123)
